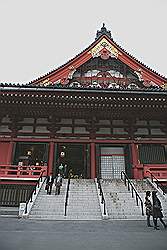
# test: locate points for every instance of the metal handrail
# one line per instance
(157, 182)
(67, 195)
(34, 191)
(133, 190)
(102, 195)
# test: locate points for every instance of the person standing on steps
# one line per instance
(149, 208)
(49, 184)
(61, 169)
(157, 211)
(58, 183)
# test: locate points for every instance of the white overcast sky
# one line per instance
(37, 36)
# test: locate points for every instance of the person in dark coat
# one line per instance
(157, 211)
(58, 183)
(49, 184)
(149, 207)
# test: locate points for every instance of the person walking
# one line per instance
(58, 183)
(49, 184)
(149, 208)
(157, 211)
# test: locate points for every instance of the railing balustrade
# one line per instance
(15, 171)
(129, 184)
(158, 170)
(66, 199)
(12, 194)
(157, 182)
(33, 191)
(102, 196)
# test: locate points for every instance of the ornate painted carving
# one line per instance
(146, 82)
(45, 82)
(64, 81)
(164, 85)
(98, 50)
(72, 69)
(104, 54)
(139, 74)
(57, 82)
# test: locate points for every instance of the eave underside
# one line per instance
(92, 106)
(83, 103)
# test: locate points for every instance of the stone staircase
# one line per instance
(83, 201)
(119, 202)
(49, 207)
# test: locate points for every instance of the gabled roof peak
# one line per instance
(102, 32)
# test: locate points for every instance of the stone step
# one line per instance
(83, 218)
(78, 208)
(127, 218)
(48, 213)
(36, 217)
(9, 211)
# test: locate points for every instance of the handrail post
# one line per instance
(157, 182)
(31, 196)
(29, 199)
(26, 208)
(102, 199)
(104, 208)
(137, 200)
(142, 208)
(132, 191)
(35, 190)
(66, 200)
(102, 195)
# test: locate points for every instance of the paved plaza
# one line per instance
(74, 235)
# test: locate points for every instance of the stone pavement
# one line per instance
(74, 235)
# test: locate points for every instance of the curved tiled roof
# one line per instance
(134, 58)
(107, 34)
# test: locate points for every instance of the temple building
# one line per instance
(100, 113)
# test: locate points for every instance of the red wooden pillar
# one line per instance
(51, 157)
(134, 154)
(10, 153)
(137, 172)
(93, 160)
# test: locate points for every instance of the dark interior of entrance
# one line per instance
(31, 153)
(75, 160)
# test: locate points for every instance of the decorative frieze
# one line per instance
(104, 49)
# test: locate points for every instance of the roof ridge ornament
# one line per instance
(103, 31)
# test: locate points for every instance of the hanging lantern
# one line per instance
(62, 154)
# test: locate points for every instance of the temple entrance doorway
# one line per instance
(112, 162)
(73, 159)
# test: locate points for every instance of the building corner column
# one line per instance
(51, 158)
(10, 153)
(93, 160)
(137, 171)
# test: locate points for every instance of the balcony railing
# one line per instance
(14, 171)
(158, 170)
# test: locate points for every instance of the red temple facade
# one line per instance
(100, 113)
